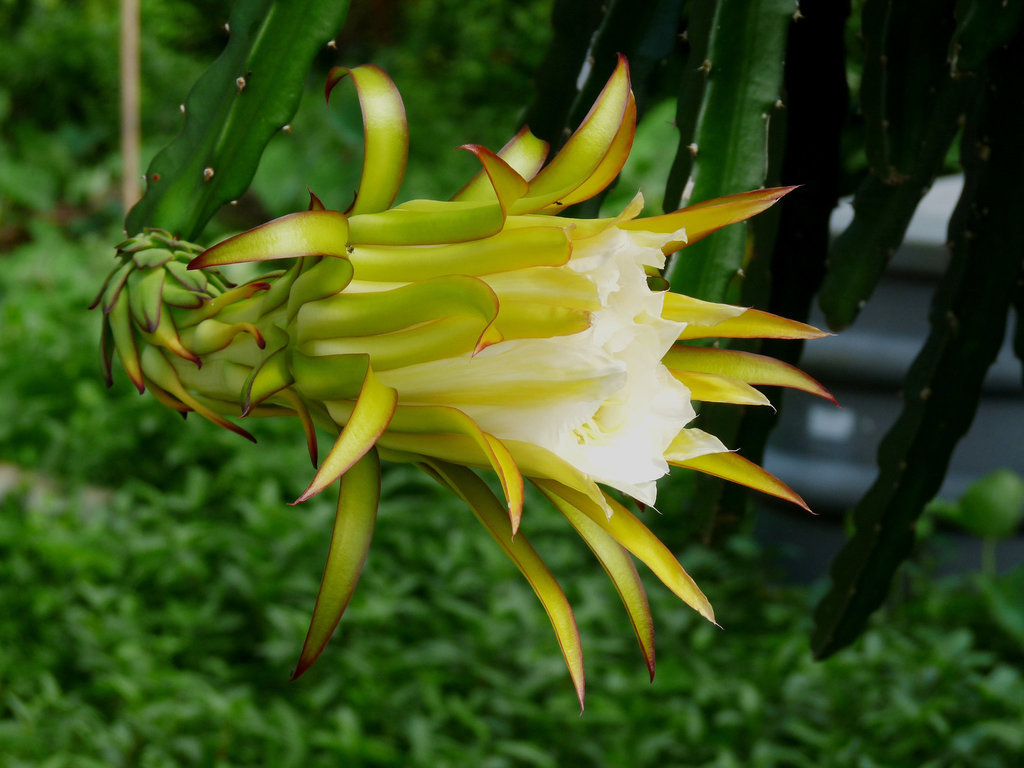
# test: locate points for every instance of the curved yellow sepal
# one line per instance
(623, 526)
(487, 509)
(585, 150)
(385, 136)
(745, 366)
(506, 184)
(370, 417)
(438, 422)
(524, 153)
(620, 569)
(680, 308)
(716, 388)
(753, 324)
(736, 469)
(354, 522)
(306, 233)
(159, 371)
(610, 166)
(701, 219)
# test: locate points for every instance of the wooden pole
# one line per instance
(130, 180)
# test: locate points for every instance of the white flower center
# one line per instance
(600, 399)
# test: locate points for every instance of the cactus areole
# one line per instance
(485, 332)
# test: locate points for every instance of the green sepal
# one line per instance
(306, 233)
(489, 512)
(329, 377)
(123, 333)
(370, 417)
(427, 222)
(354, 522)
(620, 569)
(385, 136)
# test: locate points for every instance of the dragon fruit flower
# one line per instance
(485, 332)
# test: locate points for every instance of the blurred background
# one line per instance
(155, 586)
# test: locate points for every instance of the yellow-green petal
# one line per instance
(524, 152)
(716, 388)
(306, 233)
(585, 150)
(736, 469)
(488, 511)
(701, 219)
(506, 185)
(753, 324)
(620, 569)
(370, 417)
(385, 136)
(745, 366)
(628, 531)
(350, 541)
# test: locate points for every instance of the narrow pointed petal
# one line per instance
(680, 308)
(107, 351)
(167, 399)
(268, 378)
(754, 324)
(216, 304)
(488, 511)
(628, 531)
(370, 417)
(166, 335)
(693, 442)
(736, 469)
(112, 288)
(507, 185)
(586, 149)
(123, 334)
(353, 529)
(745, 366)
(163, 374)
(315, 203)
(715, 388)
(620, 569)
(437, 421)
(610, 166)
(385, 136)
(306, 233)
(524, 153)
(701, 219)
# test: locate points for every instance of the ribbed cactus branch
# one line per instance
(919, 76)
(742, 73)
(239, 103)
(942, 388)
(816, 108)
